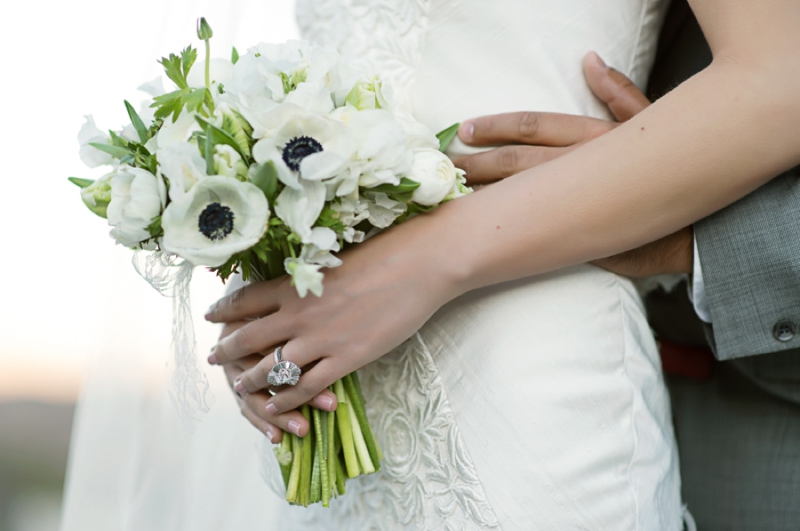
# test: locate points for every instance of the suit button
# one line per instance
(783, 331)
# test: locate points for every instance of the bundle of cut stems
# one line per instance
(338, 446)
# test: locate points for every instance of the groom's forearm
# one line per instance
(714, 139)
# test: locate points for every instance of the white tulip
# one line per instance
(436, 176)
(217, 218)
(137, 197)
(92, 156)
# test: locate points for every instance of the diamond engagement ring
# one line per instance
(284, 372)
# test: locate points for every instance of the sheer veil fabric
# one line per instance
(536, 404)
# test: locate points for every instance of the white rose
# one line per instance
(92, 156)
(137, 196)
(435, 174)
(217, 218)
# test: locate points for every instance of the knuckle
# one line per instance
(508, 159)
(243, 340)
(236, 299)
(528, 125)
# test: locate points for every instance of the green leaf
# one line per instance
(155, 227)
(234, 55)
(266, 178)
(137, 122)
(406, 185)
(446, 136)
(114, 151)
(218, 136)
(82, 183)
(172, 67)
(170, 103)
(188, 57)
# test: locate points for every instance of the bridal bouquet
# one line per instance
(268, 164)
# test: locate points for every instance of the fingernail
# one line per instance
(294, 427)
(270, 434)
(209, 313)
(598, 60)
(212, 359)
(466, 131)
(271, 409)
(240, 388)
(326, 402)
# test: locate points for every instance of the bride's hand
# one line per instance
(383, 292)
(528, 139)
(252, 405)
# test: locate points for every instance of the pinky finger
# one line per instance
(273, 434)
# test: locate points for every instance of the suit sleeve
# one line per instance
(750, 256)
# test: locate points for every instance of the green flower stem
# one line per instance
(321, 430)
(340, 477)
(358, 438)
(286, 470)
(353, 388)
(315, 494)
(208, 64)
(332, 459)
(306, 468)
(346, 431)
(294, 476)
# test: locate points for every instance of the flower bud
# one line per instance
(97, 195)
(435, 174)
(228, 162)
(204, 31)
(368, 94)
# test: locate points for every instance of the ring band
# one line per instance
(284, 372)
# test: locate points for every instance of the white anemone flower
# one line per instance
(137, 197)
(220, 71)
(178, 131)
(307, 146)
(217, 218)
(182, 164)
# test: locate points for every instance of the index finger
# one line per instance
(534, 128)
(252, 301)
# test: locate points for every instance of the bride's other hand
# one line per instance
(528, 139)
(253, 405)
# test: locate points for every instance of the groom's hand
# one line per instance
(527, 139)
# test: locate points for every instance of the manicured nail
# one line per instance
(598, 60)
(326, 402)
(294, 427)
(212, 359)
(271, 409)
(270, 434)
(466, 131)
(209, 312)
(239, 387)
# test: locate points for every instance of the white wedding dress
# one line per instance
(532, 405)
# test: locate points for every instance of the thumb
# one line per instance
(623, 98)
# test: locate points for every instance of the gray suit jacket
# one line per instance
(749, 252)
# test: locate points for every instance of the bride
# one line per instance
(520, 390)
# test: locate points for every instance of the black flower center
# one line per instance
(216, 221)
(299, 148)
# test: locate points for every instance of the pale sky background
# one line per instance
(70, 294)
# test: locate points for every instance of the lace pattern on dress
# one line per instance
(380, 36)
(427, 479)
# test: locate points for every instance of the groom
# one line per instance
(738, 420)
